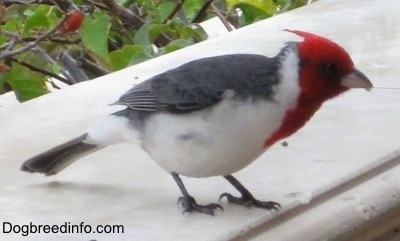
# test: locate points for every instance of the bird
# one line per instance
(214, 116)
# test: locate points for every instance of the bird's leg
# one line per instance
(189, 203)
(247, 198)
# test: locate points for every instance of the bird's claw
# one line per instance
(250, 201)
(190, 205)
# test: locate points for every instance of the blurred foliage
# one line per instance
(77, 40)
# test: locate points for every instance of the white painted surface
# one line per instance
(317, 178)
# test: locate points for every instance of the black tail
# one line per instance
(56, 159)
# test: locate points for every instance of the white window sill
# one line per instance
(338, 178)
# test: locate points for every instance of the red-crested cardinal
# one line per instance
(214, 116)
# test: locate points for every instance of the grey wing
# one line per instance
(201, 83)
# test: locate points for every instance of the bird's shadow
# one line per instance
(84, 187)
(92, 192)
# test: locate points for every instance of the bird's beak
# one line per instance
(356, 79)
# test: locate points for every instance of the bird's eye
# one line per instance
(329, 70)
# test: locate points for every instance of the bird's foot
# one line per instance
(249, 201)
(190, 205)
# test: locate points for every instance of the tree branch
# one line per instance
(91, 67)
(70, 64)
(49, 59)
(176, 9)
(42, 71)
(126, 15)
(8, 3)
(132, 20)
(202, 12)
(8, 53)
(221, 17)
(55, 40)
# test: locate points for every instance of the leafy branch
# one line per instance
(45, 41)
(9, 47)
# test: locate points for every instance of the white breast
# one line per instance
(219, 140)
(216, 141)
(225, 138)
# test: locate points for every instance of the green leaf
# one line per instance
(142, 35)
(175, 45)
(36, 18)
(25, 83)
(163, 10)
(36, 21)
(192, 7)
(251, 13)
(94, 32)
(297, 3)
(13, 23)
(126, 3)
(128, 55)
(193, 31)
(266, 6)
(139, 57)
(54, 68)
(156, 29)
(29, 12)
(177, 30)
(3, 40)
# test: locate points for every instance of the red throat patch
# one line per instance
(294, 119)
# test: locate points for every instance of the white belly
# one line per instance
(219, 140)
(216, 141)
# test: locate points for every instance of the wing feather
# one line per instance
(201, 83)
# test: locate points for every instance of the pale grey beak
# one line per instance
(356, 79)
